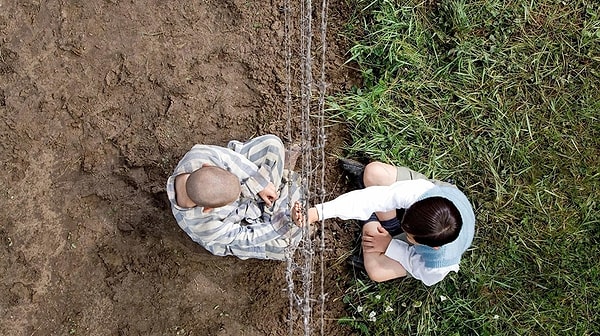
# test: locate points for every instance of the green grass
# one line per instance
(504, 98)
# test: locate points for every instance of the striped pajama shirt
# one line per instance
(246, 228)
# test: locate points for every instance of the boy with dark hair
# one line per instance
(413, 226)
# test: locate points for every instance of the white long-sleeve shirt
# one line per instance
(360, 204)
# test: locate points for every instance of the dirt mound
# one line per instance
(98, 102)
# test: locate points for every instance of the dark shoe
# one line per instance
(352, 167)
(354, 170)
(357, 262)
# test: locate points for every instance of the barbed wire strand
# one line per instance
(306, 97)
(288, 109)
(304, 301)
(322, 138)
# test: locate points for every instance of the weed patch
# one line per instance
(503, 98)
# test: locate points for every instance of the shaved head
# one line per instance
(212, 187)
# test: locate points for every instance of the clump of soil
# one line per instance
(98, 102)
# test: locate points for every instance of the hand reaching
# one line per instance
(269, 194)
(298, 214)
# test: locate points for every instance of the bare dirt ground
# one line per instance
(98, 102)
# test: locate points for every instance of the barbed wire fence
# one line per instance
(301, 261)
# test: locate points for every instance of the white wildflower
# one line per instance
(388, 309)
(496, 317)
(377, 297)
(443, 298)
(359, 309)
(372, 317)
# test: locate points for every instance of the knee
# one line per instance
(376, 173)
(370, 228)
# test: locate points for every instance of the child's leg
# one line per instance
(379, 174)
(383, 174)
(379, 267)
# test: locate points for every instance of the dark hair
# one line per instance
(433, 221)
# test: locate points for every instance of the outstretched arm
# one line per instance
(313, 215)
(360, 204)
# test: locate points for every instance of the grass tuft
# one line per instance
(503, 97)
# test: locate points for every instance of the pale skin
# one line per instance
(183, 200)
(268, 195)
(379, 267)
(298, 214)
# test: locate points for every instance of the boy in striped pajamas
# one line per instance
(236, 200)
